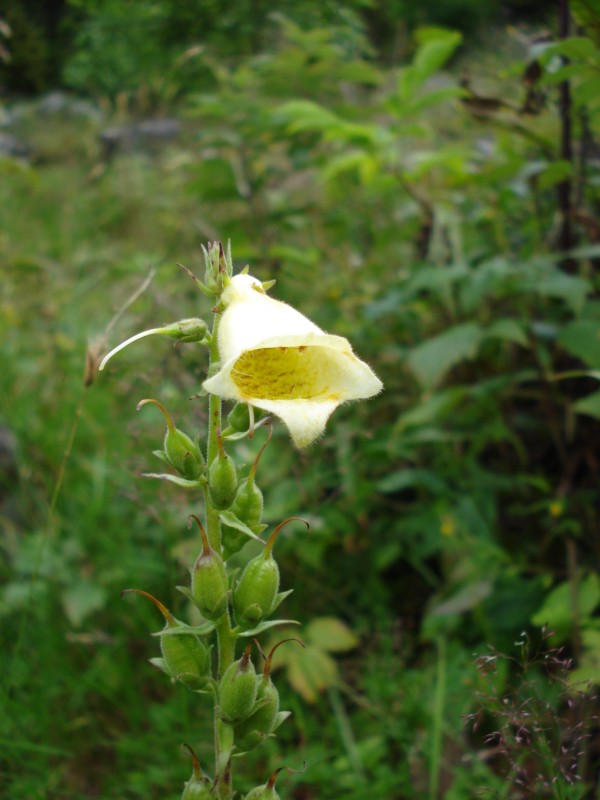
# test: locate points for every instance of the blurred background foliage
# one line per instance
(422, 178)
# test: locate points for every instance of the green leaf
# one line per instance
(264, 626)
(588, 405)
(508, 329)
(431, 360)
(465, 599)
(437, 47)
(230, 519)
(331, 635)
(311, 671)
(588, 670)
(570, 288)
(557, 609)
(578, 47)
(431, 409)
(163, 476)
(82, 599)
(554, 173)
(187, 630)
(581, 338)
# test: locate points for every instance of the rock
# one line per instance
(11, 147)
(60, 103)
(144, 136)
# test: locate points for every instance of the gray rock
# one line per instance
(61, 103)
(11, 147)
(140, 136)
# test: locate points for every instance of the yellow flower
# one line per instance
(276, 359)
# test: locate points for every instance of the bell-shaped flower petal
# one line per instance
(276, 359)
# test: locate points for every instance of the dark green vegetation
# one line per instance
(445, 222)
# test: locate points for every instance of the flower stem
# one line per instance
(213, 524)
(225, 637)
(223, 731)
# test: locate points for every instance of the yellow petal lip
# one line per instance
(276, 359)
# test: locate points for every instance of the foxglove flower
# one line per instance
(274, 358)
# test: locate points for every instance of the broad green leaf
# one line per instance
(578, 47)
(187, 630)
(311, 671)
(264, 626)
(431, 409)
(588, 405)
(81, 599)
(587, 91)
(345, 162)
(508, 329)
(570, 288)
(588, 670)
(554, 173)
(433, 359)
(163, 476)
(465, 599)
(557, 610)
(330, 634)
(434, 98)
(581, 338)
(437, 47)
(303, 115)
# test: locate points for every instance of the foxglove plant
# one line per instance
(265, 357)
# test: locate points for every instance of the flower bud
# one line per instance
(222, 479)
(263, 721)
(209, 580)
(185, 657)
(198, 786)
(185, 330)
(237, 690)
(179, 450)
(255, 593)
(219, 267)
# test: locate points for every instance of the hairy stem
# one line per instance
(223, 733)
(213, 525)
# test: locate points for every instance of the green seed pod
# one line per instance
(248, 503)
(255, 593)
(247, 507)
(264, 792)
(198, 786)
(254, 596)
(179, 450)
(209, 580)
(237, 690)
(222, 479)
(254, 730)
(185, 657)
(267, 791)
